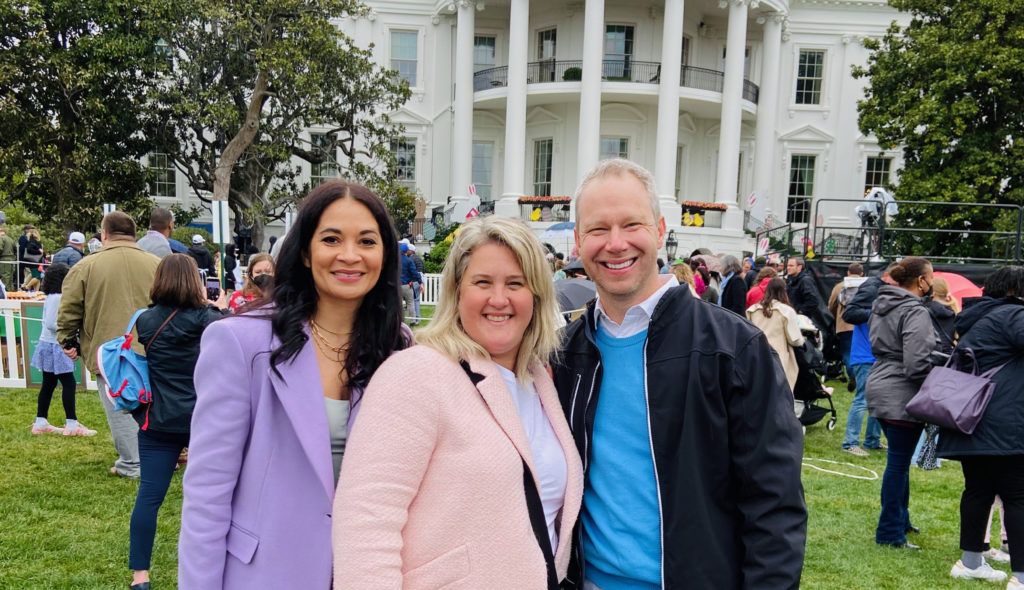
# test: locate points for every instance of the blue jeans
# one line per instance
(894, 520)
(845, 342)
(873, 436)
(158, 456)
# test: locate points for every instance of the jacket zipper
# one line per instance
(657, 479)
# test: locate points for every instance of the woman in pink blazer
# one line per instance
(278, 388)
(462, 472)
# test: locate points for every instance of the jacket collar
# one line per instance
(489, 382)
(301, 395)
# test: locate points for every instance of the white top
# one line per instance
(637, 317)
(548, 458)
(337, 425)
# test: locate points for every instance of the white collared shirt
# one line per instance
(638, 317)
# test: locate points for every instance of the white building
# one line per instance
(720, 99)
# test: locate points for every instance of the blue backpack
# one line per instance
(126, 371)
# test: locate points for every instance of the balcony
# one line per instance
(613, 70)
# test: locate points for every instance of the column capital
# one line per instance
(750, 3)
(464, 4)
(775, 17)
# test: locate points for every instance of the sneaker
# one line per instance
(856, 451)
(985, 572)
(1014, 584)
(79, 430)
(46, 429)
(880, 447)
(997, 555)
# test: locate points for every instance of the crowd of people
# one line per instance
(650, 443)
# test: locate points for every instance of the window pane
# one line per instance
(405, 156)
(618, 51)
(542, 167)
(483, 158)
(809, 75)
(483, 53)
(320, 173)
(403, 54)
(877, 173)
(161, 175)
(614, 147)
(547, 43)
(801, 189)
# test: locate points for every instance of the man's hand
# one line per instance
(72, 353)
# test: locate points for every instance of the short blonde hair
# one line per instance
(684, 274)
(620, 167)
(445, 332)
(940, 293)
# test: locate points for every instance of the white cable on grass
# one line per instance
(874, 475)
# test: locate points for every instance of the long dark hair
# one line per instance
(53, 280)
(775, 290)
(377, 330)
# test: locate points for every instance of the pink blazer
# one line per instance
(431, 489)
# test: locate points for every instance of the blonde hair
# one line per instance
(445, 332)
(684, 273)
(940, 293)
(250, 288)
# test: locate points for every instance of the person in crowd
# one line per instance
(230, 268)
(902, 341)
(733, 295)
(943, 308)
(777, 319)
(803, 296)
(857, 313)
(34, 258)
(23, 265)
(671, 420)
(71, 253)
(202, 256)
(484, 426)
(170, 331)
(54, 364)
(95, 243)
(701, 277)
(750, 270)
(684, 274)
(712, 284)
(559, 272)
(265, 448)
(992, 457)
(756, 293)
(100, 295)
(844, 329)
(8, 259)
(412, 281)
(157, 238)
(259, 281)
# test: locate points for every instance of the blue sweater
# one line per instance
(621, 517)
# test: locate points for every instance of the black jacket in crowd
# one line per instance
(726, 445)
(172, 360)
(734, 295)
(858, 309)
(994, 330)
(944, 321)
(203, 259)
(802, 294)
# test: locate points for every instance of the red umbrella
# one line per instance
(959, 286)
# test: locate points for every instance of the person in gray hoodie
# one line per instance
(902, 341)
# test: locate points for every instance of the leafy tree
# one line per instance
(72, 76)
(949, 88)
(250, 77)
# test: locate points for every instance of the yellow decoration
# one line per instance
(687, 218)
(535, 214)
(698, 220)
(810, 252)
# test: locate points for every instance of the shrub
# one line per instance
(573, 74)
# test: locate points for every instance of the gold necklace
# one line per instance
(324, 344)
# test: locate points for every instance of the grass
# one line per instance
(64, 519)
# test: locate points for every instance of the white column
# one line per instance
(767, 107)
(462, 135)
(668, 112)
(589, 147)
(732, 113)
(515, 110)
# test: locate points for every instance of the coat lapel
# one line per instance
(496, 395)
(301, 395)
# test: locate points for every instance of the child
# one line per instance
(55, 365)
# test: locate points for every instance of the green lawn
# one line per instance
(64, 519)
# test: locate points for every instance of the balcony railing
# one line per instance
(612, 70)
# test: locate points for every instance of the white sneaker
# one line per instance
(1014, 584)
(985, 572)
(997, 555)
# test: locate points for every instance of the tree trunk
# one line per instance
(241, 141)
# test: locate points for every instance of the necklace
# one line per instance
(324, 343)
(319, 327)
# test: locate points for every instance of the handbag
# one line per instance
(953, 398)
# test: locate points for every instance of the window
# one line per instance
(328, 169)
(801, 189)
(163, 50)
(618, 51)
(483, 158)
(542, 167)
(809, 76)
(483, 53)
(547, 44)
(877, 173)
(614, 147)
(161, 175)
(686, 51)
(403, 54)
(405, 157)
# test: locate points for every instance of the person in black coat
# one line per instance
(170, 331)
(230, 264)
(202, 256)
(992, 457)
(734, 288)
(801, 291)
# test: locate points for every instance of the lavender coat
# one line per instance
(259, 486)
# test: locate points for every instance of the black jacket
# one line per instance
(944, 320)
(802, 295)
(203, 259)
(994, 330)
(230, 263)
(734, 295)
(172, 360)
(726, 445)
(858, 309)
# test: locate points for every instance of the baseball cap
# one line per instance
(77, 238)
(197, 239)
(403, 248)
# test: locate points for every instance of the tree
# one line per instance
(72, 77)
(249, 78)
(949, 88)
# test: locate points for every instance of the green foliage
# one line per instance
(573, 74)
(72, 78)
(442, 245)
(183, 216)
(949, 88)
(250, 77)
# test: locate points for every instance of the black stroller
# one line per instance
(809, 387)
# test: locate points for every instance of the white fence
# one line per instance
(432, 289)
(15, 346)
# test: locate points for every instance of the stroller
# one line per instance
(809, 387)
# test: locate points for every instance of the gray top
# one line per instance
(155, 243)
(337, 424)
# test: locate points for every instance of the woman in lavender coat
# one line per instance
(278, 388)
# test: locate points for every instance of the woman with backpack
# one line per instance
(170, 331)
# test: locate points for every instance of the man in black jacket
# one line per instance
(202, 256)
(681, 413)
(800, 288)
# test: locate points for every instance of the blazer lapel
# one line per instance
(301, 395)
(496, 395)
